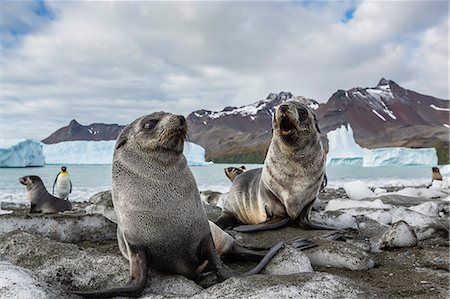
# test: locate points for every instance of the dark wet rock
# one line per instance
(287, 234)
(63, 227)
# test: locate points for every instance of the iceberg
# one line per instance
(344, 151)
(101, 152)
(21, 153)
(401, 156)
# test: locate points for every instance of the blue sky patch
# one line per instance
(348, 15)
(43, 11)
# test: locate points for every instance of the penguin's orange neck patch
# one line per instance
(64, 173)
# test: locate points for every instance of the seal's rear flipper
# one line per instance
(267, 258)
(138, 265)
(270, 224)
(240, 252)
(302, 244)
(308, 225)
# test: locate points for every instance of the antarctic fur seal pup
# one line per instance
(161, 220)
(62, 184)
(42, 201)
(286, 187)
(233, 172)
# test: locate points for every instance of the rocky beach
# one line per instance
(383, 247)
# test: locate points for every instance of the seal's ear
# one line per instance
(123, 137)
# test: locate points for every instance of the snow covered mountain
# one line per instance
(386, 115)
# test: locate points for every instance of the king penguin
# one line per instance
(63, 184)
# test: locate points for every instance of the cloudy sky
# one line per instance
(114, 61)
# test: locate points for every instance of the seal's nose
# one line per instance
(284, 108)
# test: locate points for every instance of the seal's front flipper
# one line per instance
(138, 279)
(302, 244)
(267, 258)
(270, 224)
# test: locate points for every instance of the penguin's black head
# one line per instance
(64, 168)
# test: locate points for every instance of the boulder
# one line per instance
(66, 227)
(17, 282)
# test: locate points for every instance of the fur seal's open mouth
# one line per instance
(287, 127)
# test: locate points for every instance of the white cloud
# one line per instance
(113, 61)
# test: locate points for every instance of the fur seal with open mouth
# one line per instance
(161, 221)
(42, 201)
(286, 187)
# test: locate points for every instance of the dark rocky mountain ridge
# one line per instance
(75, 131)
(386, 115)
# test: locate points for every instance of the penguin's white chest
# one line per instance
(62, 187)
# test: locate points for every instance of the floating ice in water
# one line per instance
(101, 152)
(21, 153)
(358, 190)
(343, 150)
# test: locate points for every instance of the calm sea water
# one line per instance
(90, 179)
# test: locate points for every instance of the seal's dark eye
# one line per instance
(302, 114)
(150, 124)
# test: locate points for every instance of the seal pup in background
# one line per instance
(217, 198)
(286, 187)
(42, 201)
(161, 220)
(435, 174)
(63, 184)
(233, 172)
